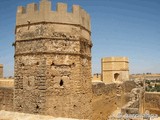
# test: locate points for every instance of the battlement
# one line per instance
(34, 13)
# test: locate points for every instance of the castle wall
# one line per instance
(53, 61)
(145, 76)
(152, 102)
(108, 97)
(128, 86)
(1, 71)
(104, 100)
(114, 69)
(6, 98)
(124, 92)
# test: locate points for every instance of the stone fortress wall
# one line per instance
(53, 68)
(6, 92)
(53, 61)
(145, 76)
(114, 69)
(106, 98)
(109, 97)
(6, 98)
(152, 102)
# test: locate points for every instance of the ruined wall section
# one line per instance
(53, 62)
(6, 98)
(126, 95)
(152, 102)
(129, 85)
(104, 100)
(109, 97)
(1, 71)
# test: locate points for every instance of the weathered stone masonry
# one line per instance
(53, 61)
(152, 102)
(6, 98)
(108, 97)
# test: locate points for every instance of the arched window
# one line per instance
(116, 76)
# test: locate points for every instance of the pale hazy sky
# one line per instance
(128, 28)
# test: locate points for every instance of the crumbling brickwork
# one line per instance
(109, 97)
(1, 71)
(53, 61)
(152, 102)
(6, 98)
(104, 100)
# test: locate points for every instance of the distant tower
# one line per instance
(1, 71)
(115, 69)
(53, 61)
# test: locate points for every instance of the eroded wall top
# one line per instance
(34, 13)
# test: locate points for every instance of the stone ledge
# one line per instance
(6, 115)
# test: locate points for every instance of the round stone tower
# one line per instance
(53, 61)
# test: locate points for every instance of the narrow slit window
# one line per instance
(61, 83)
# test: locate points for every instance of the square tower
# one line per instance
(53, 61)
(115, 69)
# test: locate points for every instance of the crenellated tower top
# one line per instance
(34, 13)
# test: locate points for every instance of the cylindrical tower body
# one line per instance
(53, 61)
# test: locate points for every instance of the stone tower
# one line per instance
(115, 69)
(1, 71)
(53, 61)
